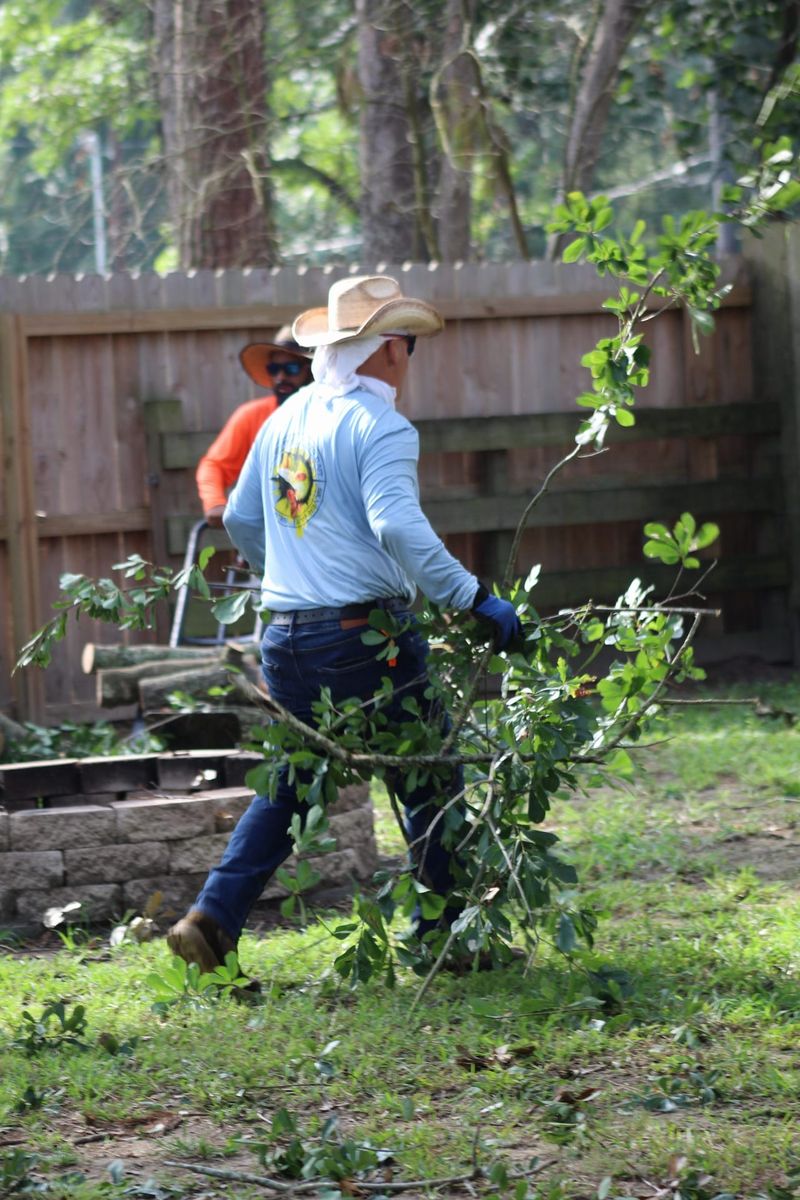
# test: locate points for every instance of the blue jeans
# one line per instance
(297, 661)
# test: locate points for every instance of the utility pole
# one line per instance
(727, 242)
(89, 142)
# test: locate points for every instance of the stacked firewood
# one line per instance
(149, 675)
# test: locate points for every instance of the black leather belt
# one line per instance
(303, 616)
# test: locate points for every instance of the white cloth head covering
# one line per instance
(334, 368)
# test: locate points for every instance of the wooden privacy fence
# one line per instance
(110, 389)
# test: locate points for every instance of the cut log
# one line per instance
(153, 693)
(101, 658)
(120, 685)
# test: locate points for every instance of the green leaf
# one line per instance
(702, 319)
(574, 250)
(620, 762)
(432, 905)
(229, 608)
(624, 417)
(660, 532)
(706, 534)
(667, 554)
(283, 1122)
(566, 937)
(373, 637)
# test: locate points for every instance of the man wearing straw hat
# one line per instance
(281, 367)
(327, 510)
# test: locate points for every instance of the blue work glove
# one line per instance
(502, 615)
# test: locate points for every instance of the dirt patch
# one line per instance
(141, 1144)
(772, 856)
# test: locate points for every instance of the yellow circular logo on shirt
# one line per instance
(298, 489)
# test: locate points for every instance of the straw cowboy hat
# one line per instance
(255, 357)
(362, 306)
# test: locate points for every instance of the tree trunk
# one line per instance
(459, 126)
(212, 85)
(101, 658)
(595, 90)
(388, 218)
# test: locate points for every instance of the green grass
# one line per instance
(688, 1062)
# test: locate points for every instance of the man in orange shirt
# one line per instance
(283, 367)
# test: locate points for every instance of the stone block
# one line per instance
(114, 864)
(100, 901)
(29, 781)
(20, 805)
(351, 797)
(355, 830)
(148, 820)
(337, 868)
(185, 769)
(194, 855)
(237, 767)
(229, 804)
(5, 835)
(8, 904)
(37, 869)
(45, 829)
(178, 893)
(123, 773)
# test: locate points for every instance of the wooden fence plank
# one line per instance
(182, 449)
(20, 510)
(606, 584)
(158, 320)
(437, 282)
(776, 366)
(133, 520)
(586, 506)
(476, 514)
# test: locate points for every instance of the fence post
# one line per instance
(161, 415)
(775, 261)
(20, 510)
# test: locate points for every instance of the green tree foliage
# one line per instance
(65, 70)
(63, 74)
(487, 85)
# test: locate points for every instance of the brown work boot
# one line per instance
(197, 938)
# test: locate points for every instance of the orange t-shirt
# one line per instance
(221, 464)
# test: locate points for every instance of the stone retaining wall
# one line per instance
(113, 846)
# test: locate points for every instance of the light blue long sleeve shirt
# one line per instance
(327, 507)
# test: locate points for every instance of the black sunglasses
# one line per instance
(411, 341)
(292, 369)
